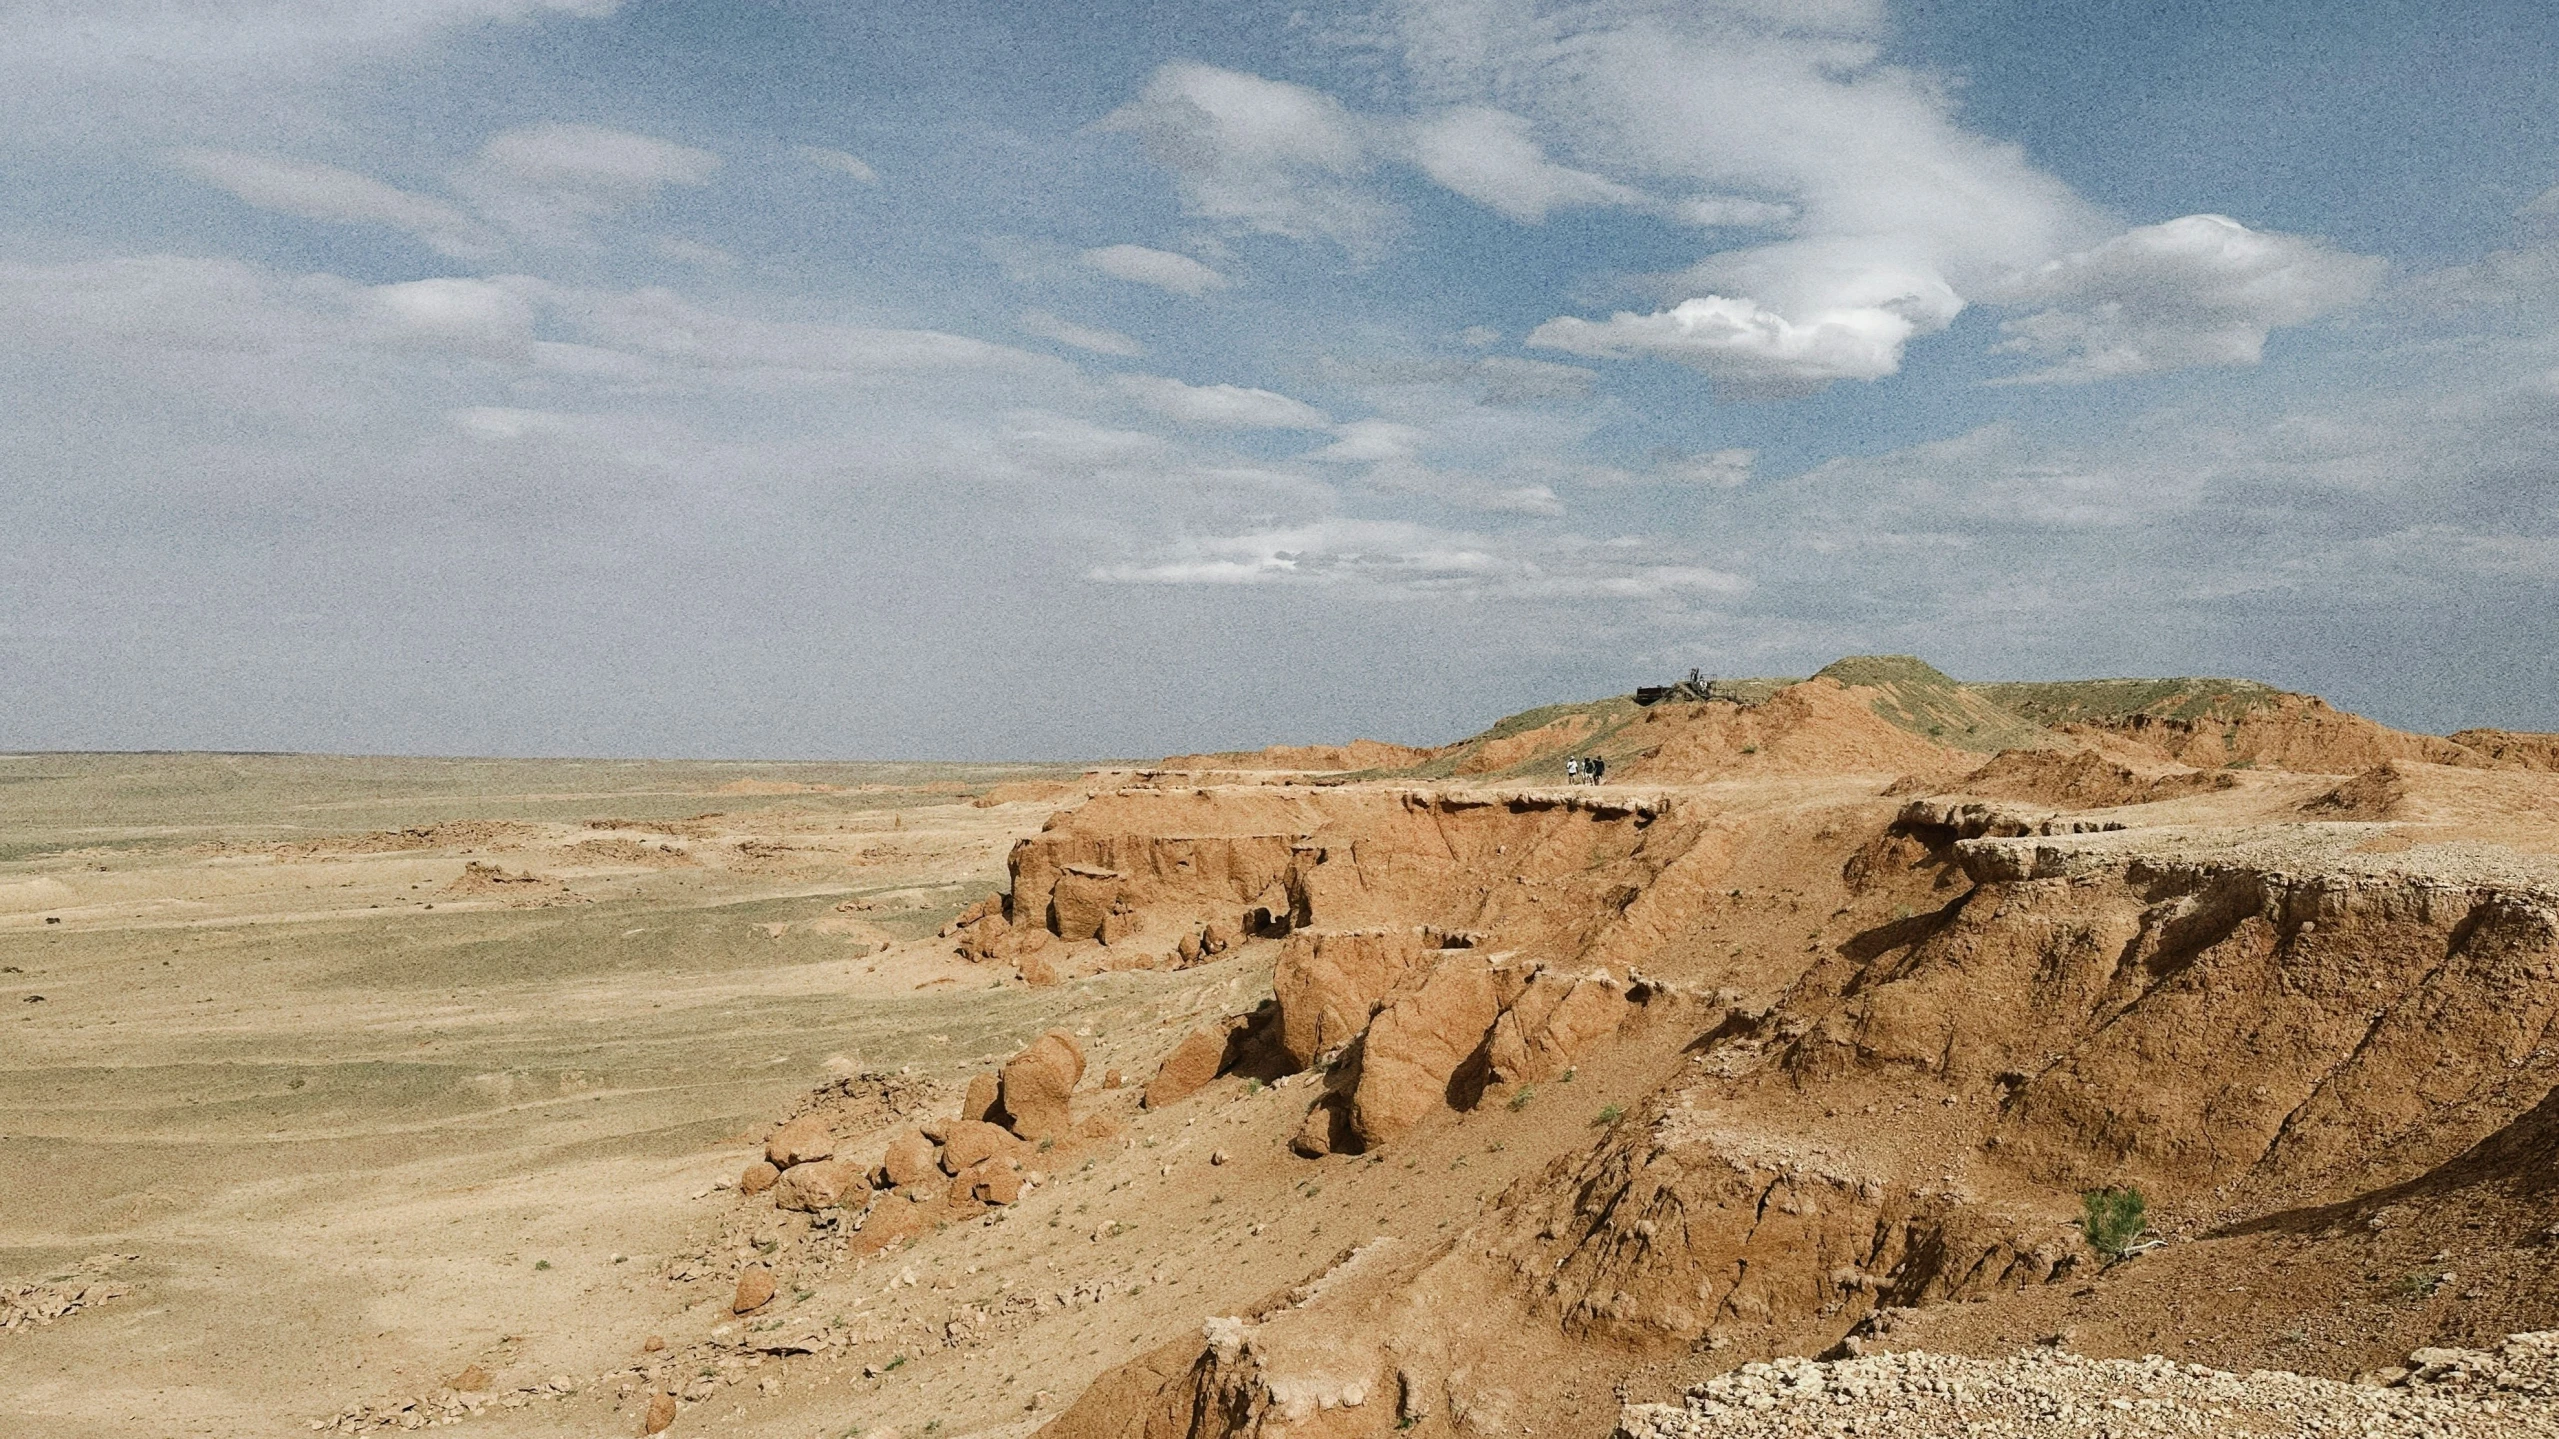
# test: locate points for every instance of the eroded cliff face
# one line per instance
(1898, 1041)
(1537, 868)
(1918, 1123)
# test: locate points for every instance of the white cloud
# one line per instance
(1221, 406)
(1745, 343)
(325, 192)
(1489, 156)
(1165, 270)
(77, 70)
(1395, 556)
(1368, 442)
(1767, 116)
(1258, 155)
(1083, 337)
(841, 162)
(2202, 290)
(548, 183)
(478, 314)
(1732, 212)
(596, 159)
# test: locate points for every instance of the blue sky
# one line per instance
(563, 376)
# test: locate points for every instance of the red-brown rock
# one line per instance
(1188, 1069)
(826, 1184)
(909, 1159)
(1039, 1085)
(758, 1178)
(754, 1290)
(980, 1101)
(972, 1141)
(798, 1142)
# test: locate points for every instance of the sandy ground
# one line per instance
(355, 1128)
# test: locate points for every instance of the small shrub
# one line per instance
(2420, 1285)
(541, 1263)
(1520, 1100)
(1252, 1084)
(2114, 1220)
(896, 1362)
(1567, 1076)
(1610, 1115)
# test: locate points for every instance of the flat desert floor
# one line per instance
(342, 1074)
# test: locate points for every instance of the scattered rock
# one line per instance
(828, 1184)
(972, 1141)
(652, 1344)
(661, 1415)
(471, 1380)
(1039, 1085)
(754, 1290)
(798, 1142)
(909, 1159)
(982, 1099)
(1188, 1069)
(758, 1177)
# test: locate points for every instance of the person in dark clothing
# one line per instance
(1595, 767)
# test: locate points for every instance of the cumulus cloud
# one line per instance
(1165, 270)
(1258, 155)
(548, 183)
(1766, 117)
(1746, 343)
(840, 161)
(2202, 290)
(324, 192)
(1083, 337)
(1227, 407)
(1489, 156)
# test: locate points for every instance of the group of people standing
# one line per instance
(1584, 770)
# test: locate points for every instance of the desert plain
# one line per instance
(1783, 1083)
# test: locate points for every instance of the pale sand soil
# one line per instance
(339, 1137)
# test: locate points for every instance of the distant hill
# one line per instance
(1864, 712)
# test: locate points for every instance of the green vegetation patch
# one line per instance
(1922, 699)
(2054, 702)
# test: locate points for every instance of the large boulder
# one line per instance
(972, 1141)
(1188, 1069)
(826, 1184)
(802, 1140)
(1417, 1044)
(981, 1100)
(1039, 1085)
(1083, 900)
(1553, 1021)
(909, 1160)
(989, 1181)
(1330, 983)
(892, 1220)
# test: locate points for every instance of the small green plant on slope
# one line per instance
(2114, 1220)
(1520, 1100)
